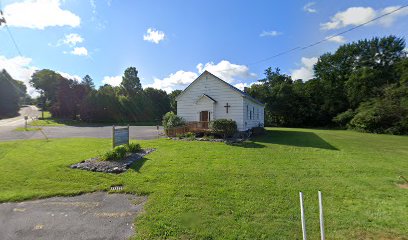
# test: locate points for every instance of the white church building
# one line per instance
(209, 98)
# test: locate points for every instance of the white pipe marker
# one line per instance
(302, 214)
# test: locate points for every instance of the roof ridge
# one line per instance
(236, 89)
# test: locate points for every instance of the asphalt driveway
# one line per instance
(90, 216)
(7, 133)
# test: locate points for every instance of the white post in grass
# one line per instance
(321, 217)
(302, 214)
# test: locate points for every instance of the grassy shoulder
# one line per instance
(28, 129)
(212, 190)
(48, 120)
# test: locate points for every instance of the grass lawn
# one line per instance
(48, 120)
(202, 190)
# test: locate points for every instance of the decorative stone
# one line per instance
(96, 165)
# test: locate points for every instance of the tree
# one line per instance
(157, 103)
(173, 103)
(87, 81)
(130, 84)
(47, 82)
(10, 92)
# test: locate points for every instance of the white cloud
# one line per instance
(305, 72)
(154, 36)
(269, 34)
(93, 6)
(224, 70)
(390, 19)
(354, 16)
(114, 80)
(39, 14)
(242, 86)
(79, 51)
(337, 39)
(309, 7)
(20, 69)
(71, 40)
(177, 80)
(69, 76)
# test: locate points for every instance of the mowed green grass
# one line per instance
(202, 190)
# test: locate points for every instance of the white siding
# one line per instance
(188, 108)
(189, 103)
(253, 114)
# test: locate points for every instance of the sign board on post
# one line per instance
(120, 136)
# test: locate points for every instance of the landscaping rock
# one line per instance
(199, 139)
(96, 165)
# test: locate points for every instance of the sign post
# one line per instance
(120, 136)
(25, 118)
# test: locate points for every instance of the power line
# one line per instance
(328, 38)
(14, 41)
(3, 20)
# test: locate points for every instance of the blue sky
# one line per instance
(172, 42)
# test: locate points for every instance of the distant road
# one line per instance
(8, 126)
(30, 111)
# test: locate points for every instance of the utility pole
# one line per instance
(43, 104)
(2, 19)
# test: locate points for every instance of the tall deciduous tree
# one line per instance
(47, 82)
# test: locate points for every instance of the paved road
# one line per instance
(7, 127)
(90, 216)
(30, 111)
(136, 132)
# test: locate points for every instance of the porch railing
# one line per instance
(197, 126)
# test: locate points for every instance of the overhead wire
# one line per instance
(328, 38)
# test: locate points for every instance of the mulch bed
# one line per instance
(96, 165)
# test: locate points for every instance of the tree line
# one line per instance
(128, 102)
(362, 85)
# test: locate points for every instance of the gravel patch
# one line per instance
(96, 165)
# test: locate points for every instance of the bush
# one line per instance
(133, 147)
(114, 155)
(226, 127)
(258, 131)
(188, 135)
(380, 116)
(344, 118)
(172, 120)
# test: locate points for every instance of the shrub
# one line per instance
(115, 154)
(344, 118)
(172, 120)
(133, 147)
(226, 127)
(190, 135)
(258, 131)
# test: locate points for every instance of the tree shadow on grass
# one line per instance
(247, 144)
(294, 138)
(138, 164)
